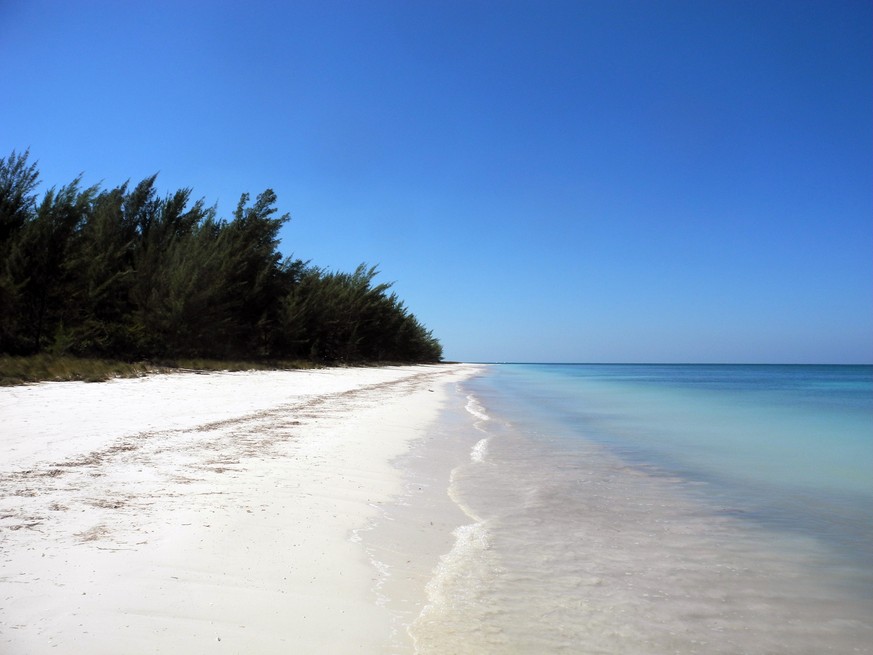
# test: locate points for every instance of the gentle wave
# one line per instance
(454, 582)
(475, 408)
(452, 587)
(480, 450)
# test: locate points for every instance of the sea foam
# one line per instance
(475, 408)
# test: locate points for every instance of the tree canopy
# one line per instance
(130, 274)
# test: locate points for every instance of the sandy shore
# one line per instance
(207, 513)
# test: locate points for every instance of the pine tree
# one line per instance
(128, 274)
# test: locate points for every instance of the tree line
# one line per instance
(128, 274)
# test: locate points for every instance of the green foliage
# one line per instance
(126, 274)
(344, 317)
(37, 368)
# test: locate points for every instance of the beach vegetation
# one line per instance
(128, 275)
(64, 368)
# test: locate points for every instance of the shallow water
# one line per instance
(656, 509)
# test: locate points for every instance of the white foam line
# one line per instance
(475, 408)
(480, 450)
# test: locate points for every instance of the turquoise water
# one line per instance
(661, 509)
(787, 445)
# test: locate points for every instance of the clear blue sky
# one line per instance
(591, 180)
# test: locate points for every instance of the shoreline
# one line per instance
(203, 513)
(417, 529)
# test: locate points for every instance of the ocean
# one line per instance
(658, 509)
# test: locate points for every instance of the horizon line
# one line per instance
(555, 363)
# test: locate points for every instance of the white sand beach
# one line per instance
(213, 513)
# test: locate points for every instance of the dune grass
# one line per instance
(41, 368)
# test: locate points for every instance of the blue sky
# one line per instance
(596, 181)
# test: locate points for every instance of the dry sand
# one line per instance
(214, 513)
